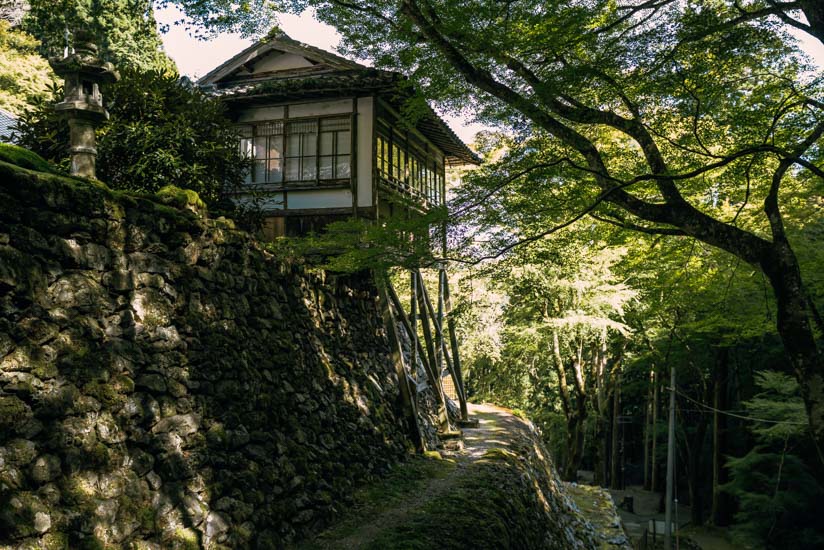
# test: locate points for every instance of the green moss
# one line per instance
(24, 158)
(404, 483)
(487, 509)
(185, 539)
(103, 392)
(55, 541)
(180, 198)
(147, 517)
(98, 455)
(12, 412)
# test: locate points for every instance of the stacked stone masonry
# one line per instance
(166, 383)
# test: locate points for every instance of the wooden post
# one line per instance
(434, 372)
(416, 345)
(426, 316)
(408, 399)
(453, 340)
(413, 328)
(440, 340)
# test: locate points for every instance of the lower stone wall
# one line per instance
(166, 383)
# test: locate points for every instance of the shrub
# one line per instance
(162, 131)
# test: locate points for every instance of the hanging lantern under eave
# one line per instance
(83, 72)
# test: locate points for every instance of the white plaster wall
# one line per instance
(320, 198)
(280, 62)
(321, 108)
(267, 202)
(261, 113)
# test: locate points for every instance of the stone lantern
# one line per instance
(83, 72)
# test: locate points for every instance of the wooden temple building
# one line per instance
(326, 139)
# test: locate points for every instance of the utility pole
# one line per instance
(670, 464)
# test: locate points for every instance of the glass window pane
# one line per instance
(269, 128)
(326, 168)
(344, 142)
(275, 173)
(275, 147)
(246, 148)
(259, 171)
(309, 144)
(309, 168)
(292, 171)
(342, 166)
(396, 161)
(303, 127)
(259, 151)
(403, 171)
(333, 124)
(327, 141)
(293, 146)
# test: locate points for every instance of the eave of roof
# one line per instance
(334, 75)
(7, 123)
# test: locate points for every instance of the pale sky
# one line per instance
(195, 58)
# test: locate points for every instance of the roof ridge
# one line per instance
(276, 40)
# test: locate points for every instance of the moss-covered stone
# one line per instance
(13, 412)
(24, 158)
(181, 198)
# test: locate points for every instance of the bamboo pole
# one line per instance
(408, 399)
(407, 325)
(413, 328)
(453, 340)
(434, 373)
(441, 341)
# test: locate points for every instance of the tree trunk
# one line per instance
(695, 446)
(814, 12)
(601, 405)
(720, 499)
(793, 323)
(615, 471)
(575, 447)
(654, 453)
(602, 454)
(648, 430)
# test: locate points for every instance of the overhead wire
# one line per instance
(734, 415)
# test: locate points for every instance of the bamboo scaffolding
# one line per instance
(437, 321)
(435, 370)
(453, 340)
(408, 398)
(417, 348)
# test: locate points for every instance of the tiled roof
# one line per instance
(7, 122)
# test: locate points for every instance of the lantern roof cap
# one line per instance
(84, 60)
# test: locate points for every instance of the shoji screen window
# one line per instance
(263, 144)
(302, 150)
(335, 149)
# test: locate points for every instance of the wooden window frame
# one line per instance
(286, 184)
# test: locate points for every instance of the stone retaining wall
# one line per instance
(166, 383)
